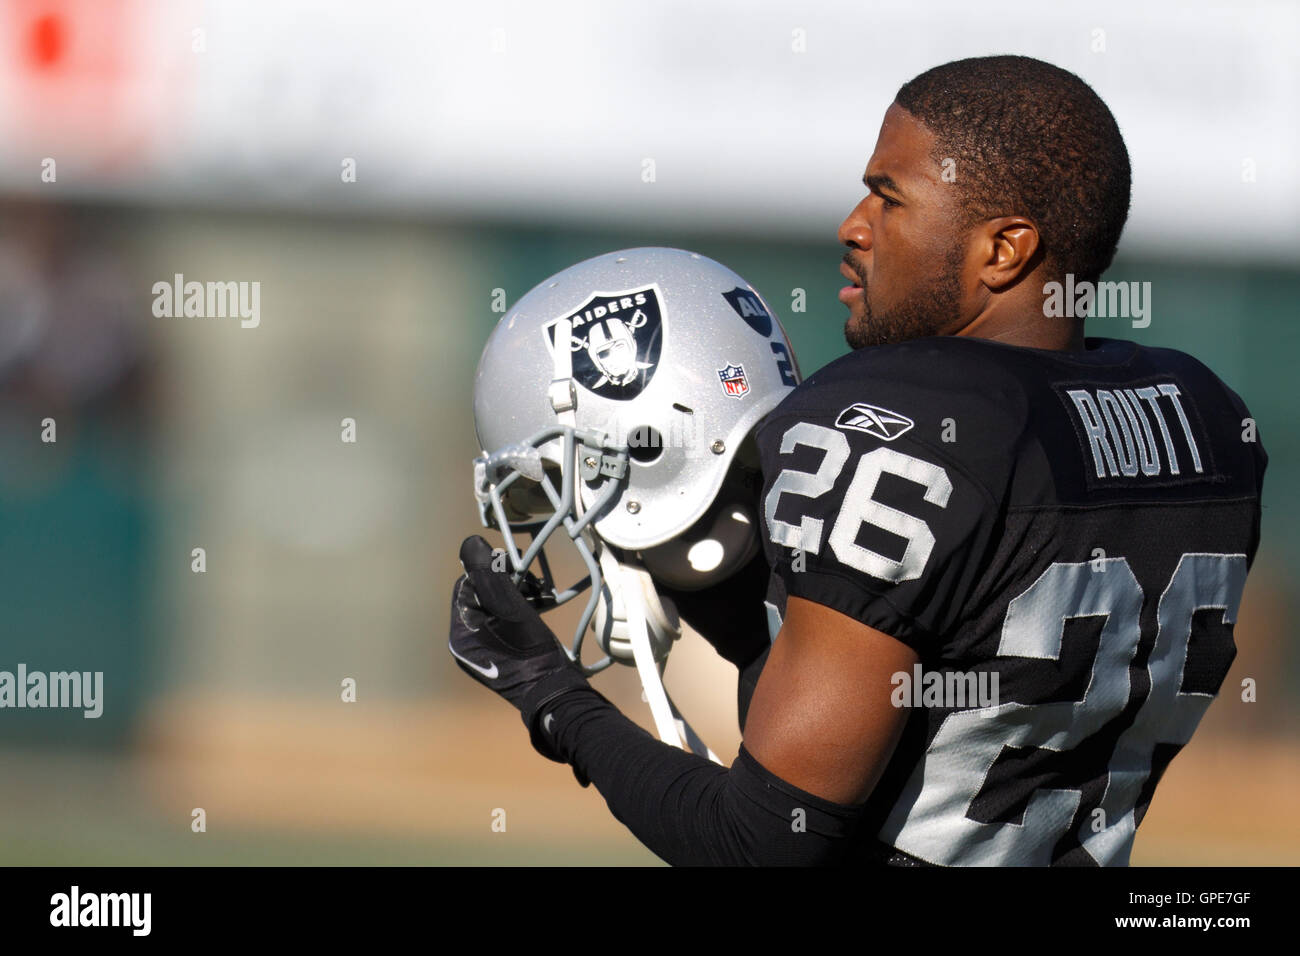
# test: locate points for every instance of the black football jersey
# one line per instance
(1063, 538)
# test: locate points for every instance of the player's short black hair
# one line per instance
(1030, 139)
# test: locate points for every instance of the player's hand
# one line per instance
(500, 640)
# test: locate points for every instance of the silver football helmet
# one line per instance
(617, 401)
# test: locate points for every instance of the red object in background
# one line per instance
(47, 40)
(92, 83)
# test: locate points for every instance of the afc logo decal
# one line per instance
(750, 308)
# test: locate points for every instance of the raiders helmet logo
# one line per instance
(615, 338)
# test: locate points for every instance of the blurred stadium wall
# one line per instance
(491, 147)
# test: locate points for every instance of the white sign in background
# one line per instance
(758, 117)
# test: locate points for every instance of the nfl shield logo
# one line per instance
(734, 382)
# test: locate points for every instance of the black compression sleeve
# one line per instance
(688, 810)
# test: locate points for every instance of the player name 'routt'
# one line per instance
(1120, 427)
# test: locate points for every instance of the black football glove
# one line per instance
(499, 639)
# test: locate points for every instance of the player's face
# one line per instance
(905, 254)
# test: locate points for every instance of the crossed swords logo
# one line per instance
(613, 352)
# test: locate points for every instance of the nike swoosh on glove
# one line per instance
(500, 640)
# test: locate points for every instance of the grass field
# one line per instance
(422, 785)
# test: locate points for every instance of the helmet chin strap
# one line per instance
(630, 610)
(635, 614)
(563, 394)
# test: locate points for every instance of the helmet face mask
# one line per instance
(495, 476)
(611, 402)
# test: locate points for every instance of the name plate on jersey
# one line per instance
(1142, 434)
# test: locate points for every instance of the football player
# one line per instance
(1005, 560)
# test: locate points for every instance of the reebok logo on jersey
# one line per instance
(874, 420)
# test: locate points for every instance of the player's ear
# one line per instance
(1013, 250)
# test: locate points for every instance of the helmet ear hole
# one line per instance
(645, 444)
(722, 542)
(724, 539)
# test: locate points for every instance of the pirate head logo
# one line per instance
(615, 339)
